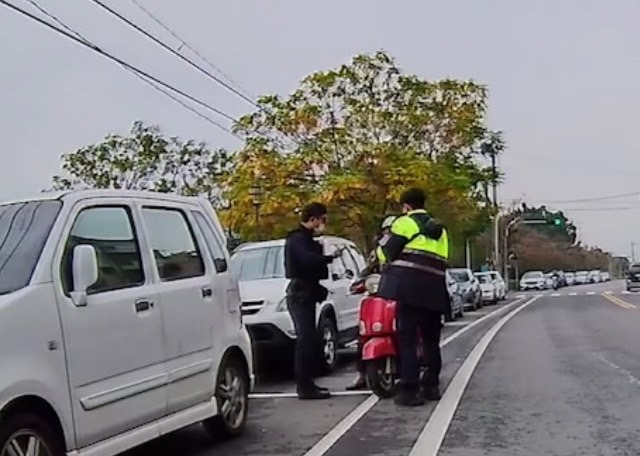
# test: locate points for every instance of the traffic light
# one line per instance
(557, 221)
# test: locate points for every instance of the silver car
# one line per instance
(455, 295)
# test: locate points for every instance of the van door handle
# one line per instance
(142, 305)
(207, 292)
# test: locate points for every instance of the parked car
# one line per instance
(633, 277)
(119, 322)
(570, 278)
(469, 287)
(259, 268)
(501, 286)
(533, 280)
(594, 276)
(455, 294)
(488, 287)
(582, 277)
(605, 276)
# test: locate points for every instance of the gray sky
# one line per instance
(563, 75)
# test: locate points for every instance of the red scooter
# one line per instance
(379, 343)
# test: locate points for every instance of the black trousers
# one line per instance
(302, 308)
(409, 320)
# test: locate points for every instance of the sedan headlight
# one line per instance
(282, 305)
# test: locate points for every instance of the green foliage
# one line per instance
(146, 160)
(355, 137)
(558, 227)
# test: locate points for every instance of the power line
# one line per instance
(142, 78)
(174, 52)
(596, 198)
(185, 43)
(83, 42)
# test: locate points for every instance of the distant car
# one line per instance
(455, 294)
(605, 276)
(570, 277)
(488, 287)
(581, 278)
(498, 282)
(633, 277)
(533, 280)
(469, 287)
(594, 276)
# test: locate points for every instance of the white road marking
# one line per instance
(326, 442)
(456, 323)
(433, 433)
(626, 292)
(555, 295)
(591, 293)
(608, 292)
(292, 395)
(573, 293)
(630, 377)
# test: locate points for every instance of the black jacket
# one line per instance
(304, 258)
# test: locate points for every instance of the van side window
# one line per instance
(358, 258)
(349, 263)
(173, 243)
(338, 267)
(110, 230)
(213, 244)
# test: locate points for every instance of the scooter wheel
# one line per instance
(379, 380)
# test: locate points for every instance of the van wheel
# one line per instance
(329, 344)
(27, 434)
(232, 394)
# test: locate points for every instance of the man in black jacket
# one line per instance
(306, 264)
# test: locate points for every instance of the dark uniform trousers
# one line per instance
(301, 301)
(410, 319)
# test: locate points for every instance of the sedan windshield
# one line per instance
(259, 264)
(533, 275)
(460, 276)
(24, 229)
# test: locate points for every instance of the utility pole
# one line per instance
(467, 253)
(496, 220)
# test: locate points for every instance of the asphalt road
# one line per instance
(556, 374)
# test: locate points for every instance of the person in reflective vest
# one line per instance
(414, 257)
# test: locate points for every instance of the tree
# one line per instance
(146, 160)
(557, 225)
(355, 137)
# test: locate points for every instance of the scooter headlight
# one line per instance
(376, 327)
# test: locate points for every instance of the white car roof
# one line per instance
(76, 195)
(280, 243)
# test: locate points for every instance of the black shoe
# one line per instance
(409, 400)
(313, 393)
(431, 393)
(320, 388)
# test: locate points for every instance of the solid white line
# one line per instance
(457, 334)
(292, 395)
(433, 433)
(326, 442)
(451, 324)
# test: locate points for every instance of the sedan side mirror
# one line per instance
(84, 269)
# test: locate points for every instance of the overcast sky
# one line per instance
(564, 80)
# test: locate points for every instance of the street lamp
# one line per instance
(256, 199)
(507, 232)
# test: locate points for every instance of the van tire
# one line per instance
(232, 387)
(328, 334)
(32, 425)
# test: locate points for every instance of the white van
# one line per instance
(259, 268)
(119, 322)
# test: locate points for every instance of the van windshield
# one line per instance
(259, 264)
(24, 229)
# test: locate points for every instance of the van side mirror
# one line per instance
(220, 264)
(349, 274)
(84, 269)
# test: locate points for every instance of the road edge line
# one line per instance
(432, 435)
(331, 438)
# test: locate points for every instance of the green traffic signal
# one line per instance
(557, 222)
